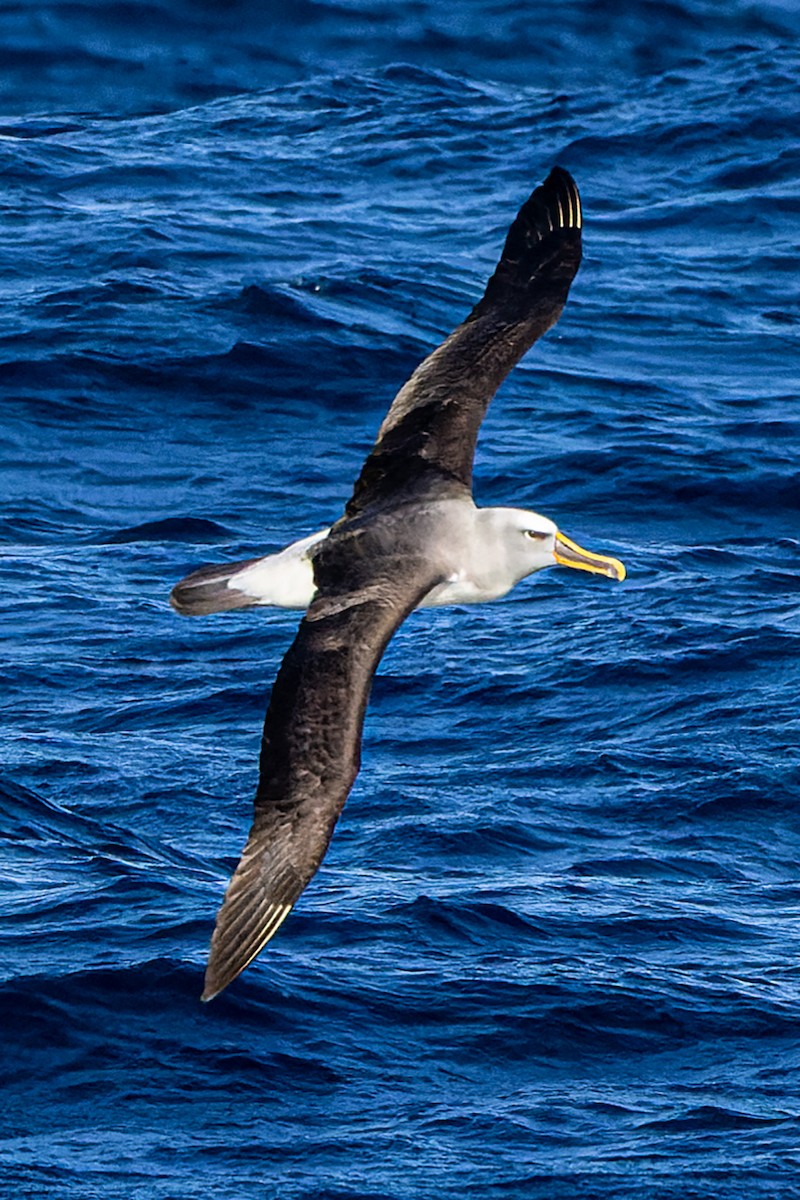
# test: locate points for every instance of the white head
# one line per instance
(527, 542)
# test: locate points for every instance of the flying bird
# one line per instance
(411, 535)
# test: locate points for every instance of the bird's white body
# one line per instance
(485, 552)
(282, 580)
(410, 535)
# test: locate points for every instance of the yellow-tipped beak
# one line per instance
(568, 554)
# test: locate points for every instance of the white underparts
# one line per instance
(496, 556)
(283, 580)
(459, 589)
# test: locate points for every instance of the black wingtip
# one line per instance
(546, 228)
(553, 207)
(561, 199)
(238, 939)
(259, 898)
(541, 255)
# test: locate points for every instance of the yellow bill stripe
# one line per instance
(570, 554)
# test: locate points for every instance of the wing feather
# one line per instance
(427, 440)
(369, 576)
(311, 746)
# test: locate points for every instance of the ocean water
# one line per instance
(554, 949)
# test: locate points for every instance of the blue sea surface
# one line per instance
(554, 949)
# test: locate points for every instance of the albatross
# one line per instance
(411, 535)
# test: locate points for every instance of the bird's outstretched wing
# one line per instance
(373, 569)
(312, 738)
(427, 440)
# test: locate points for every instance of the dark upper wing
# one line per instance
(429, 434)
(312, 738)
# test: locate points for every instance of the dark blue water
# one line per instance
(554, 949)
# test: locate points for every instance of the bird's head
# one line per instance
(533, 542)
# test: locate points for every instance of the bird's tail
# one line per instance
(211, 590)
(282, 580)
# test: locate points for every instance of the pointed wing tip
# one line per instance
(217, 979)
(560, 196)
(561, 175)
(232, 951)
(219, 976)
(215, 982)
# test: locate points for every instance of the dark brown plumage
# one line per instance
(379, 561)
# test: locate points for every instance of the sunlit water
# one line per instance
(553, 950)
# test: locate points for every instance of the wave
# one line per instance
(552, 949)
(170, 529)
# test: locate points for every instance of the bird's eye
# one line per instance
(536, 534)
